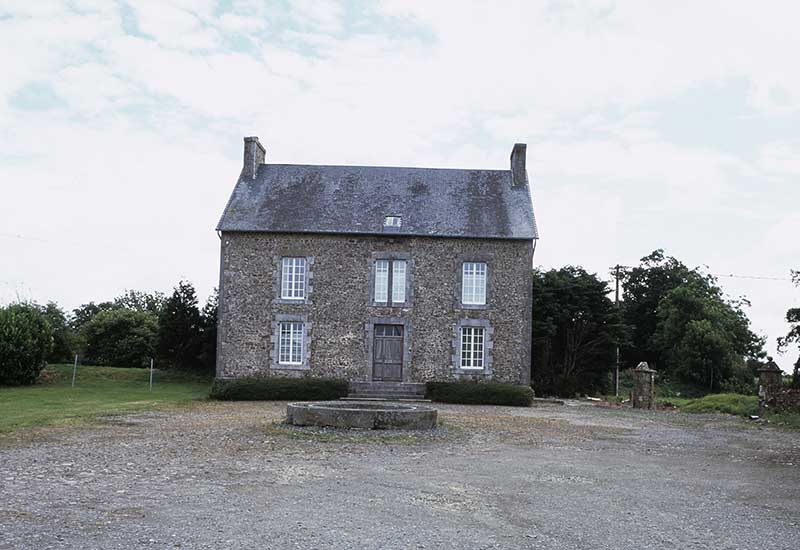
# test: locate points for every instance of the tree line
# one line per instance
(675, 318)
(124, 332)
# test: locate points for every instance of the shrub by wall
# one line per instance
(728, 403)
(474, 393)
(279, 389)
(25, 341)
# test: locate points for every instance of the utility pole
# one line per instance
(616, 305)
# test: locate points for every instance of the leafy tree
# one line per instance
(64, 341)
(138, 300)
(121, 338)
(25, 342)
(793, 336)
(180, 342)
(702, 337)
(82, 315)
(643, 289)
(575, 329)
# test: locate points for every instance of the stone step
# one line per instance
(387, 392)
(388, 387)
(380, 399)
(385, 396)
(380, 392)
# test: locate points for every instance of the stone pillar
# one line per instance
(644, 387)
(770, 383)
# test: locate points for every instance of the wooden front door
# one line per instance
(387, 353)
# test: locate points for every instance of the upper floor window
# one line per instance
(390, 279)
(293, 278)
(473, 283)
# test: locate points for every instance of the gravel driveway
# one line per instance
(230, 475)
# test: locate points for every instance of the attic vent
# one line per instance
(392, 221)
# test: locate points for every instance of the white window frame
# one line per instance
(294, 332)
(386, 283)
(473, 348)
(294, 271)
(474, 277)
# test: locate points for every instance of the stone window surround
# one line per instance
(274, 352)
(407, 330)
(488, 346)
(484, 258)
(277, 274)
(390, 255)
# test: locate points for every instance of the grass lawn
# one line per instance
(98, 391)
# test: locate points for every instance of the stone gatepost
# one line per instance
(770, 383)
(644, 387)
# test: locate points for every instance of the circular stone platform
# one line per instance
(357, 414)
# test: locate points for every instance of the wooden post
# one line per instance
(74, 370)
(616, 306)
(151, 374)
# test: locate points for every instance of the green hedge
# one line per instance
(279, 389)
(475, 393)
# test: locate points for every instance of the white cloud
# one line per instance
(146, 145)
(781, 158)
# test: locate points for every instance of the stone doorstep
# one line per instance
(394, 387)
(381, 399)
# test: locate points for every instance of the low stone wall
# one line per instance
(364, 415)
(785, 401)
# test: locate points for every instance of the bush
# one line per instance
(25, 341)
(475, 393)
(279, 389)
(728, 403)
(121, 338)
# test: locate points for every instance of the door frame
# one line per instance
(370, 333)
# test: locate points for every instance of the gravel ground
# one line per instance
(230, 475)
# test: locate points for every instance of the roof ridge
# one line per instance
(384, 166)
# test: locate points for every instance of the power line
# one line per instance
(759, 277)
(727, 275)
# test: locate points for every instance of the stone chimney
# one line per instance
(254, 154)
(518, 174)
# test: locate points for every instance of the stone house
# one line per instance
(388, 277)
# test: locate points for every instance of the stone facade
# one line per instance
(339, 310)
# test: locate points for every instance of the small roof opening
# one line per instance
(392, 221)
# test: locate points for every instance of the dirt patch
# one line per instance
(233, 475)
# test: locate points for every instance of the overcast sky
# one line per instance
(649, 125)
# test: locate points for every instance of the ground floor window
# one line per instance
(291, 343)
(472, 347)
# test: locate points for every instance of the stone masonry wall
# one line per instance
(339, 307)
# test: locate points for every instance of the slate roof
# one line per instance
(290, 198)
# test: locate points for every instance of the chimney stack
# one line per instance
(519, 176)
(254, 154)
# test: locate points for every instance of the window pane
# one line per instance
(477, 349)
(381, 280)
(473, 283)
(399, 281)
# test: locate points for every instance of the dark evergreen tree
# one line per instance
(208, 324)
(180, 342)
(575, 329)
